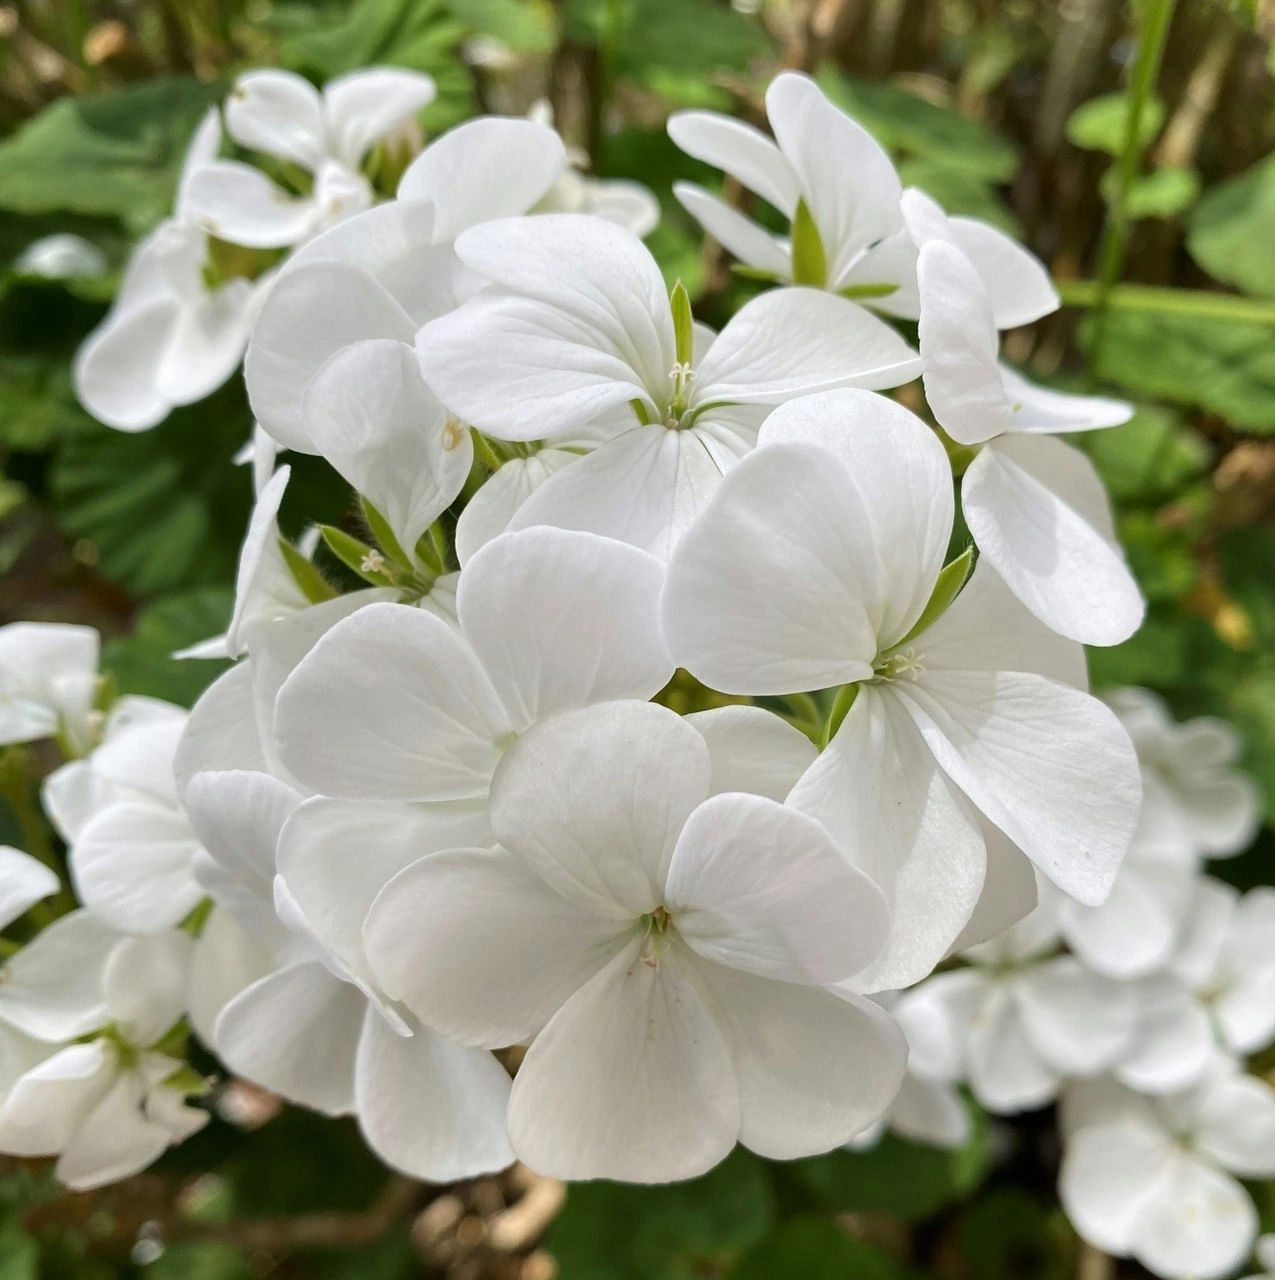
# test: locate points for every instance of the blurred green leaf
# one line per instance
(206, 1260)
(1226, 367)
(903, 1179)
(523, 26)
(114, 154)
(1233, 227)
(19, 1252)
(143, 662)
(813, 1249)
(958, 191)
(419, 34)
(1163, 193)
(1156, 654)
(1100, 123)
(609, 1231)
(1149, 458)
(1008, 1234)
(37, 403)
(162, 509)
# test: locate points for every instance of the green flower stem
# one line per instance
(1157, 14)
(1165, 301)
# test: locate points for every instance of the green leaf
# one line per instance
(959, 191)
(37, 402)
(519, 25)
(1162, 194)
(1008, 1234)
(421, 35)
(1150, 458)
(1156, 654)
(158, 510)
(813, 1249)
(113, 154)
(143, 662)
(1232, 229)
(1226, 367)
(1100, 123)
(809, 262)
(609, 1231)
(898, 1178)
(19, 1252)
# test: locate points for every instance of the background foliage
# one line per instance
(1149, 191)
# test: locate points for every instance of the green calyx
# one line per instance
(947, 586)
(809, 262)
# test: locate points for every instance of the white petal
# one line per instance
(932, 1114)
(312, 312)
(1110, 1175)
(278, 113)
(764, 594)
(1078, 1022)
(222, 730)
(1009, 889)
(753, 750)
(740, 150)
(24, 881)
(1050, 766)
(740, 236)
(756, 886)
(364, 106)
(241, 205)
(117, 367)
(48, 679)
(1025, 501)
(335, 856)
(1175, 1042)
(1199, 1223)
(896, 816)
(1235, 1125)
(1018, 285)
(47, 1104)
(296, 1032)
(370, 415)
(1131, 934)
(847, 178)
(133, 865)
(1039, 409)
(814, 1068)
(905, 486)
(488, 513)
(206, 343)
(631, 1080)
(578, 325)
(145, 982)
(431, 1109)
(562, 619)
(594, 801)
(52, 988)
(793, 342)
(225, 962)
(391, 704)
(1005, 1071)
(484, 169)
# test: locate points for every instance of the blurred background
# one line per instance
(1162, 240)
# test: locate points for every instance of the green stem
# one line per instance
(1115, 232)
(1183, 302)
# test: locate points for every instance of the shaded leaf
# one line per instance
(813, 1249)
(1232, 228)
(1100, 123)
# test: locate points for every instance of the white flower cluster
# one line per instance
(670, 742)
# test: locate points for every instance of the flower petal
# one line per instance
(239, 204)
(24, 881)
(278, 113)
(365, 106)
(753, 750)
(741, 237)
(1078, 1022)
(489, 512)
(740, 150)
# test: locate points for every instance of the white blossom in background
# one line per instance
(665, 949)
(174, 334)
(1195, 798)
(24, 881)
(1157, 1179)
(814, 567)
(576, 332)
(839, 190)
(1265, 1252)
(48, 683)
(108, 1104)
(63, 256)
(1035, 506)
(327, 134)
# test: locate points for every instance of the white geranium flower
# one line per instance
(110, 1105)
(1194, 797)
(1156, 1179)
(281, 1006)
(577, 332)
(1265, 1251)
(1036, 507)
(396, 704)
(24, 881)
(169, 339)
(48, 684)
(62, 257)
(929, 1108)
(384, 273)
(131, 849)
(327, 134)
(838, 188)
(664, 948)
(1030, 1018)
(813, 567)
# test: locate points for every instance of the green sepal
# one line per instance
(809, 262)
(683, 323)
(640, 409)
(383, 534)
(841, 705)
(305, 575)
(186, 1080)
(198, 917)
(352, 553)
(172, 1044)
(947, 587)
(745, 272)
(868, 290)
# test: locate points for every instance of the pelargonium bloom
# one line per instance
(665, 949)
(48, 683)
